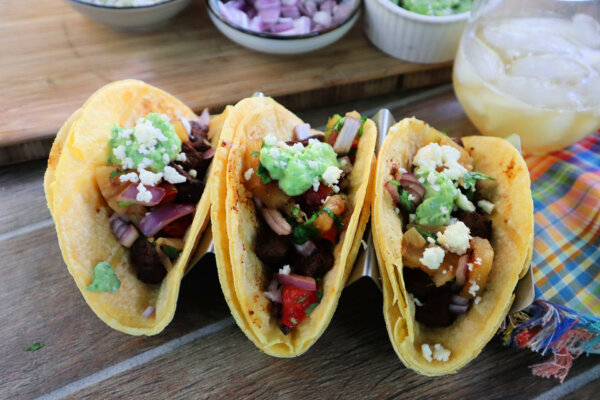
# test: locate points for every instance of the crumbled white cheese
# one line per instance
(125, 133)
(470, 266)
(397, 210)
(248, 173)
(433, 156)
(149, 178)
(181, 157)
(130, 177)
(478, 261)
(164, 117)
(473, 288)
(316, 184)
(411, 197)
(331, 175)
(464, 203)
(274, 291)
(336, 189)
(486, 206)
(417, 302)
(166, 158)
(444, 209)
(313, 164)
(270, 140)
(455, 238)
(477, 300)
(364, 244)
(145, 163)
(433, 257)
(444, 272)
(285, 270)
(426, 350)
(430, 240)
(297, 147)
(119, 152)
(172, 176)
(147, 134)
(313, 141)
(274, 152)
(411, 218)
(440, 353)
(143, 195)
(421, 180)
(193, 173)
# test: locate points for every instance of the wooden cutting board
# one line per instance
(53, 59)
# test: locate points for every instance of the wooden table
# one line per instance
(202, 353)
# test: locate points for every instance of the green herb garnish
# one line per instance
(305, 231)
(301, 299)
(470, 179)
(263, 173)
(320, 294)
(125, 203)
(255, 153)
(171, 252)
(426, 235)
(115, 173)
(35, 346)
(405, 202)
(295, 211)
(294, 321)
(310, 308)
(337, 220)
(105, 279)
(360, 131)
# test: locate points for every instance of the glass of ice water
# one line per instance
(531, 67)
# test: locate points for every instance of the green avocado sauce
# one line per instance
(152, 143)
(438, 8)
(438, 204)
(297, 169)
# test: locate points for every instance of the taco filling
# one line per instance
(299, 189)
(446, 245)
(153, 178)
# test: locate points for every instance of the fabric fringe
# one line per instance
(545, 326)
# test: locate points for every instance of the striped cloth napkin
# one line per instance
(564, 320)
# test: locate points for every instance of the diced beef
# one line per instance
(311, 201)
(285, 329)
(270, 248)
(189, 191)
(319, 137)
(435, 310)
(194, 159)
(478, 224)
(147, 264)
(317, 264)
(199, 136)
(458, 141)
(276, 311)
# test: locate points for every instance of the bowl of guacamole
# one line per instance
(420, 31)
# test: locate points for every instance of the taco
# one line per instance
(127, 188)
(453, 229)
(288, 219)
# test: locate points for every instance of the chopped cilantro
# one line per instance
(404, 201)
(255, 153)
(471, 178)
(171, 252)
(301, 300)
(263, 173)
(35, 346)
(337, 220)
(305, 231)
(295, 211)
(332, 126)
(115, 173)
(360, 131)
(443, 133)
(320, 294)
(294, 321)
(426, 234)
(105, 279)
(339, 123)
(310, 308)
(125, 203)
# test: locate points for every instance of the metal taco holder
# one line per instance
(366, 260)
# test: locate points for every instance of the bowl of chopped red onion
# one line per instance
(284, 26)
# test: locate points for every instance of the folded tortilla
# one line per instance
(512, 240)
(235, 227)
(81, 213)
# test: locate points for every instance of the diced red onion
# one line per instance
(346, 136)
(283, 25)
(299, 281)
(302, 131)
(257, 24)
(411, 183)
(234, 16)
(307, 248)
(269, 15)
(162, 216)
(327, 5)
(393, 190)
(130, 195)
(210, 153)
(341, 12)
(276, 221)
(204, 119)
(290, 2)
(302, 25)
(457, 309)
(291, 12)
(322, 18)
(148, 312)
(238, 4)
(308, 7)
(459, 300)
(462, 270)
(266, 4)
(125, 233)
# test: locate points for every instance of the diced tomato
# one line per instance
(170, 192)
(332, 138)
(310, 198)
(295, 301)
(331, 234)
(179, 227)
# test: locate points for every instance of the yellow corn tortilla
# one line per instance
(81, 214)
(235, 228)
(512, 220)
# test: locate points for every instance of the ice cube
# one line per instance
(586, 30)
(484, 59)
(548, 67)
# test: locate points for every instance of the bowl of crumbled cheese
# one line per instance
(129, 15)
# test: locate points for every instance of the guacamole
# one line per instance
(436, 8)
(297, 168)
(152, 143)
(439, 199)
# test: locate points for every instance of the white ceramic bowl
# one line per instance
(410, 36)
(130, 18)
(278, 44)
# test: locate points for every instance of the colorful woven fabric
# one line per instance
(565, 318)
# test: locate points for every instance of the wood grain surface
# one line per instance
(53, 59)
(84, 358)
